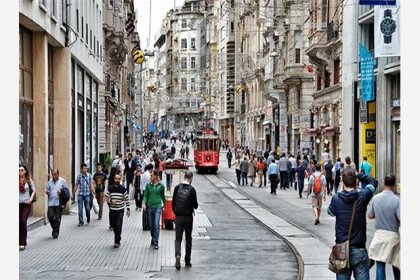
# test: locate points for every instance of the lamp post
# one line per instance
(141, 97)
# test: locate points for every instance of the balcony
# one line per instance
(317, 41)
(332, 31)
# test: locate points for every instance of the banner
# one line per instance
(387, 30)
(378, 2)
(367, 65)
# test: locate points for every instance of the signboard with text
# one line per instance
(367, 67)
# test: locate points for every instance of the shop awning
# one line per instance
(313, 131)
(330, 130)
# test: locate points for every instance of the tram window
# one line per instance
(206, 144)
(211, 144)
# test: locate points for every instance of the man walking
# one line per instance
(273, 175)
(292, 178)
(117, 197)
(337, 174)
(85, 183)
(341, 207)
(283, 171)
(317, 190)
(300, 171)
(385, 245)
(53, 191)
(154, 202)
(229, 157)
(99, 180)
(244, 171)
(184, 201)
(329, 176)
(129, 169)
(365, 167)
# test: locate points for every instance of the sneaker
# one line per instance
(88, 220)
(156, 246)
(316, 221)
(188, 264)
(80, 224)
(116, 245)
(22, 247)
(99, 218)
(178, 262)
(111, 228)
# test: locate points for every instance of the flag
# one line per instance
(309, 68)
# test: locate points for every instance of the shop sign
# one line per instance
(306, 144)
(370, 136)
(363, 112)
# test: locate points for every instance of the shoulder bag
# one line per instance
(339, 259)
(31, 186)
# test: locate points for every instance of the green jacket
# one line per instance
(154, 196)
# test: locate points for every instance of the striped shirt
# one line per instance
(120, 196)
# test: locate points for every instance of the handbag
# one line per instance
(339, 259)
(30, 193)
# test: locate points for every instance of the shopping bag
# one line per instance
(95, 205)
(305, 185)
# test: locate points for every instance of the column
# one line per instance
(40, 120)
(62, 113)
(282, 122)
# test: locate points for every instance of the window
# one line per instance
(77, 20)
(318, 82)
(87, 33)
(183, 43)
(82, 30)
(79, 80)
(297, 55)
(25, 97)
(232, 27)
(193, 84)
(184, 23)
(183, 63)
(193, 62)
(88, 87)
(54, 9)
(90, 42)
(111, 3)
(184, 84)
(298, 46)
(43, 4)
(327, 79)
(336, 71)
(64, 13)
(193, 43)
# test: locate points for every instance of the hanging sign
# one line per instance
(378, 2)
(367, 65)
(387, 31)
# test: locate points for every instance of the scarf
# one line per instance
(22, 182)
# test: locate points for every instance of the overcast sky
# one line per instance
(159, 10)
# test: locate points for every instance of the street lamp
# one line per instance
(146, 53)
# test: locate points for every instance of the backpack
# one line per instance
(64, 196)
(183, 201)
(317, 184)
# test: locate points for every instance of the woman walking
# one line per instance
(260, 170)
(26, 196)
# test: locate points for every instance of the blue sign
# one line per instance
(378, 2)
(367, 66)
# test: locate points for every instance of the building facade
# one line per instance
(60, 68)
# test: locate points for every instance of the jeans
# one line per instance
(273, 181)
(380, 271)
(283, 179)
(116, 220)
(24, 211)
(359, 266)
(153, 214)
(100, 199)
(292, 177)
(129, 181)
(330, 184)
(238, 176)
(54, 217)
(183, 223)
(265, 177)
(301, 183)
(244, 178)
(86, 200)
(138, 198)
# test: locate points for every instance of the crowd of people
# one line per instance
(141, 172)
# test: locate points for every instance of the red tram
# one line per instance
(206, 150)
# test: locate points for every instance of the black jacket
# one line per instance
(129, 172)
(193, 200)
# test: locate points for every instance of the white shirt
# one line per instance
(144, 180)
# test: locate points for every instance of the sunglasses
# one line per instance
(21, 169)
